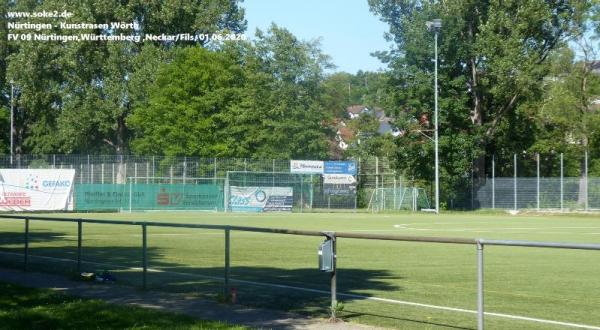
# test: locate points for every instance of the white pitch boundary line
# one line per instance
(283, 286)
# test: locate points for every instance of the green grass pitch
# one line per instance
(548, 284)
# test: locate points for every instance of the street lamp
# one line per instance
(12, 118)
(436, 26)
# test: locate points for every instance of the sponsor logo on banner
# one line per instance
(339, 189)
(338, 179)
(340, 167)
(306, 166)
(36, 190)
(261, 199)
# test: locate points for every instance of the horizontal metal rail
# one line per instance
(478, 242)
(449, 240)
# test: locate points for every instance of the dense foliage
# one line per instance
(510, 82)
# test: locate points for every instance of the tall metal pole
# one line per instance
(538, 181)
(586, 182)
(437, 164)
(493, 181)
(515, 180)
(12, 120)
(561, 182)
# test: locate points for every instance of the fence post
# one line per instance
(79, 239)
(494, 181)
(394, 193)
(515, 180)
(26, 248)
(561, 182)
(480, 313)
(153, 169)
(144, 256)
(227, 261)
(130, 195)
(586, 181)
(301, 193)
(538, 181)
(184, 168)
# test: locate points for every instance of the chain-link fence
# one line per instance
(126, 182)
(535, 181)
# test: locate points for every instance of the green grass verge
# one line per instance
(560, 285)
(26, 308)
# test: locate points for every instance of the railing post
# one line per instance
(480, 313)
(227, 261)
(334, 276)
(79, 239)
(144, 255)
(26, 250)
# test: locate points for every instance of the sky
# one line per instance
(349, 32)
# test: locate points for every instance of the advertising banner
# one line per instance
(148, 196)
(339, 189)
(261, 199)
(338, 179)
(306, 166)
(36, 190)
(340, 167)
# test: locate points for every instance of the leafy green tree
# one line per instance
(493, 58)
(286, 117)
(188, 104)
(76, 96)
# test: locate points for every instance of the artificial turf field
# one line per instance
(547, 284)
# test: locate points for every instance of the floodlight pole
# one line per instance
(436, 25)
(12, 119)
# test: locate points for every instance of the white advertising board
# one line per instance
(261, 199)
(307, 166)
(338, 179)
(36, 190)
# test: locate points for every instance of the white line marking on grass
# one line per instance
(350, 295)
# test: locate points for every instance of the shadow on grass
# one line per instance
(8, 238)
(265, 287)
(25, 308)
(349, 315)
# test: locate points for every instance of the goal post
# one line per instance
(391, 199)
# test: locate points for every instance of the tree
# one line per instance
(493, 58)
(259, 100)
(286, 118)
(569, 119)
(191, 97)
(76, 96)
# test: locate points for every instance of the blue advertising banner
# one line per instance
(340, 167)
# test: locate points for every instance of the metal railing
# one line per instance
(478, 242)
